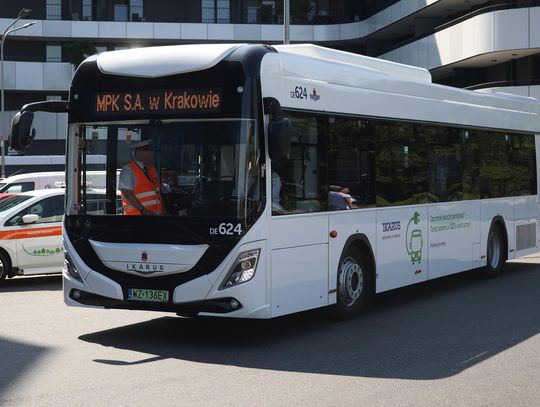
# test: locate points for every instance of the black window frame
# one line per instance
(31, 184)
(425, 162)
(15, 220)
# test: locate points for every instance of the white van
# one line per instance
(31, 181)
(47, 180)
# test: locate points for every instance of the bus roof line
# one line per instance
(393, 69)
(154, 62)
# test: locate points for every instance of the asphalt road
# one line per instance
(457, 341)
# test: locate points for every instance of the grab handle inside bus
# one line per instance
(279, 131)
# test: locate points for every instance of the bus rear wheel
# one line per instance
(496, 252)
(353, 279)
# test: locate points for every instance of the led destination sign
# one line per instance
(166, 101)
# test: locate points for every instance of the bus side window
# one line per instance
(351, 182)
(303, 174)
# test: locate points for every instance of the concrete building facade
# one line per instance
(476, 44)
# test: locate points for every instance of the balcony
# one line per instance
(485, 39)
(37, 76)
(259, 24)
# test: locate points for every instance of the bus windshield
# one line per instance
(204, 168)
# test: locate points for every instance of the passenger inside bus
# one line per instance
(339, 198)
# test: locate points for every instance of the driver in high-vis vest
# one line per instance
(139, 183)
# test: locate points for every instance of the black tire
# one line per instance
(496, 252)
(5, 266)
(353, 284)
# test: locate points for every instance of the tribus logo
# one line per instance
(314, 96)
(391, 226)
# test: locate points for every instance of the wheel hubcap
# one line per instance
(494, 250)
(351, 281)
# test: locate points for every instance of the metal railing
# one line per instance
(220, 15)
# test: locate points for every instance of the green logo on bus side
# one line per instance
(413, 239)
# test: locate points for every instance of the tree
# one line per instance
(79, 51)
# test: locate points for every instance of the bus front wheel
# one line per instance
(496, 252)
(352, 284)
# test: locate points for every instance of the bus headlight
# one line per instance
(70, 269)
(243, 269)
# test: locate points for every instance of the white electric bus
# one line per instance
(293, 177)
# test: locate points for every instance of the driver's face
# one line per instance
(145, 156)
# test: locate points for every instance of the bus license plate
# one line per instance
(142, 294)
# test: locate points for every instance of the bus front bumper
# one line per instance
(203, 295)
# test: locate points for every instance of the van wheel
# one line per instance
(5, 266)
(353, 282)
(496, 252)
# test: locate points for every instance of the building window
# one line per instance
(268, 12)
(136, 10)
(252, 13)
(54, 9)
(121, 9)
(87, 9)
(128, 10)
(216, 11)
(208, 11)
(54, 53)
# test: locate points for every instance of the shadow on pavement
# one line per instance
(16, 358)
(32, 283)
(429, 331)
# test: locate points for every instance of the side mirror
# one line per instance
(22, 134)
(279, 138)
(29, 218)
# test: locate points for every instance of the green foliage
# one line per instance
(79, 51)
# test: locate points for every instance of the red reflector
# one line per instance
(333, 233)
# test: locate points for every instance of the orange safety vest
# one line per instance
(146, 190)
